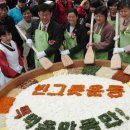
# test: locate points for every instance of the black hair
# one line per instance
(112, 2)
(73, 10)
(24, 9)
(22, 1)
(124, 4)
(2, 6)
(95, 3)
(102, 10)
(4, 29)
(41, 2)
(44, 7)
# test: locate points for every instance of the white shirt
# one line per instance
(42, 25)
(71, 29)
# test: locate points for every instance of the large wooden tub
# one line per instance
(36, 72)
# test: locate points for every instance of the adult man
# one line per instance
(48, 34)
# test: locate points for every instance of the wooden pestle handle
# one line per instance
(25, 38)
(91, 28)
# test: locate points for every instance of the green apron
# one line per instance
(113, 23)
(70, 43)
(41, 44)
(96, 40)
(124, 41)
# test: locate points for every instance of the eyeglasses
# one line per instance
(99, 16)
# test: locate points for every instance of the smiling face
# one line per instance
(45, 16)
(125, 13)
(72, 18)
(27, 15)
(100, 18)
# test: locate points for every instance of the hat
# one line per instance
(2, 2)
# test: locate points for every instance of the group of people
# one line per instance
(60, 28)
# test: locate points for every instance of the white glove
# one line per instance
(118, 50)
(29, 42)
(40, 54)
(116, 38)
(19, 69)
(65, 52)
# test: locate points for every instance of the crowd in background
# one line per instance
(60, 27)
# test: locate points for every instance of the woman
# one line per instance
(124, 8)
(112, 7)
(75, 37)
(103, 34)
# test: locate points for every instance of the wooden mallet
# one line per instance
(116, 59)
(89, 56)
(45, 62)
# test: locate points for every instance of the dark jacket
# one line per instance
(107, 35)
(55, 33)
(81, 37)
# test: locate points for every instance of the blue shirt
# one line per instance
(16, 14)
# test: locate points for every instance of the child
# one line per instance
(124, 8)
(10, 60)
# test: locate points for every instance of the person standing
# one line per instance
(62, 7)
(83, 11)
(112, 7)
(47, 34)
(75, 38)
(11, 63)
(124, 37)
(103, 34)
(24, 25)
(15, 12)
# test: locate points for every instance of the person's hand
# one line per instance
(89, 44)
(116, 38)
(29, 42)
(40, 54)
(123, 29)
(89, 32)
(127, 49)
(65, 52)
(87, 25)
(118, 50)
(83, 2)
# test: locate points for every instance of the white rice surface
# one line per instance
(70, 108)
